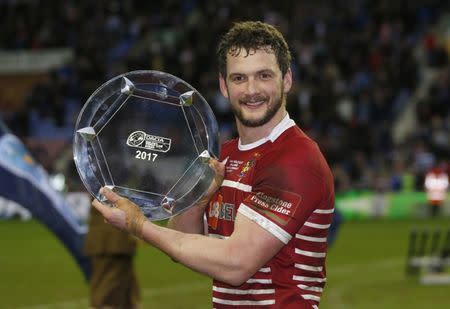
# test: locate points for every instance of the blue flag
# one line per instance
(25, 182)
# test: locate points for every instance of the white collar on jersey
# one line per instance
(284, 124)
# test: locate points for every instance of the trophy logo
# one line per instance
(136, 139)
(140, 139)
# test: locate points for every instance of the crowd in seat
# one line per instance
(355, 66)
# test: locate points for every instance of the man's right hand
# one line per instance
(219, 168)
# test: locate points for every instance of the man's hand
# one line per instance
(124, 214)
(219, 168)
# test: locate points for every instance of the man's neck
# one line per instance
(248, 135)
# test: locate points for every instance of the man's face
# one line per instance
(255, 86)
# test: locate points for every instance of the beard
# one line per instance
(268, 115)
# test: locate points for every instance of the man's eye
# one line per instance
(265, 75)
(237, 78)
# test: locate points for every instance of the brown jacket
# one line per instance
(103, 238)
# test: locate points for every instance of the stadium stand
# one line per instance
(372, 78)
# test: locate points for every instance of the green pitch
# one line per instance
(365, 270)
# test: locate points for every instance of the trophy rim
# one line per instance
(213, 144)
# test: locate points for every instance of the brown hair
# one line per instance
(251, 36)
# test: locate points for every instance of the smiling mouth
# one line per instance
(254, 103)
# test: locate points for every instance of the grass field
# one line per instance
(365, 270)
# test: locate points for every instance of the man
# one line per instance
(436, 186)
(271, 204)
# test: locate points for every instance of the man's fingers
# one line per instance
(217, 166)
(224, 162)
(103, 209)
(110, 195)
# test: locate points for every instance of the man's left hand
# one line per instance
(124, 214)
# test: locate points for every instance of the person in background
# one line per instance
(336, 223)
(113, 283)
(436, 186)
(271, 204)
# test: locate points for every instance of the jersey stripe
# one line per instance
(262, 281)
(324, 211)
(243, 292)
(265, 223)
(309, 238)
(236, 185)
(244, 302)
(310, 253)
(308, 267)
(309, 279)
(310, 288)
(311, 297)
(317, 226)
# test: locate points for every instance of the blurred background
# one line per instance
(371, 86)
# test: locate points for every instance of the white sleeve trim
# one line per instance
(324, 211)
(265, 223)
(236, 185)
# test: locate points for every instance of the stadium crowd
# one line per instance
(357, 65)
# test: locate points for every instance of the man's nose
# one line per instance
(252, 86)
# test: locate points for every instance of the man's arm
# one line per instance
(233, 260)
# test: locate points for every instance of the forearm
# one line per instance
(216, 258)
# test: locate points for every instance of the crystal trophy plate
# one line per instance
(148, 136)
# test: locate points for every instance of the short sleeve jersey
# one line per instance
(284, 184)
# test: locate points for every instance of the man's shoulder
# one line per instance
(294, 143)
(296, 151)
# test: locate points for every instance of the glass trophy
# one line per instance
(148, 136)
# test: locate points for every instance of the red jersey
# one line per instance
(282, 183)
(436, 185)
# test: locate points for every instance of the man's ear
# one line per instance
(287, 80)
(223, 86)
